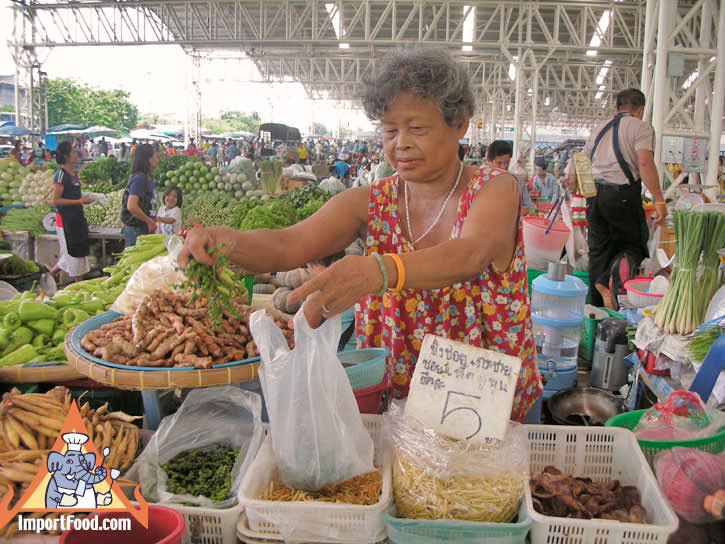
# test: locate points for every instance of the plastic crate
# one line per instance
(650, 448)
(364, 367)
(317, 520)
(209, 525)
(589, 333)
(599, 453)
(425, 531)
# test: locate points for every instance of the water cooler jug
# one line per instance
(557, 310)
(609, 371)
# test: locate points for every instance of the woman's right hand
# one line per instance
(151, 224)
(87, 200)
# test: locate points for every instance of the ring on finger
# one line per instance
(325, 310)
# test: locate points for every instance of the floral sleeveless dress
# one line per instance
(491, 312)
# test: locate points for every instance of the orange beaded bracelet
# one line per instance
(401, 271)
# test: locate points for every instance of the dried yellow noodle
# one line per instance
(421, 496)
(362, 489)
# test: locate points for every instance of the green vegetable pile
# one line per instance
(103, 188)
(209, 209)
(15, 266)
(167, 164)
(302, 196)
(217, 284)
(271, 172)
(105, 170)
(273, 214)
(106, 214)
(202, 472)
(25, 219)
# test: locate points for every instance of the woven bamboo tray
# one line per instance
(140, 380)
(48, 372)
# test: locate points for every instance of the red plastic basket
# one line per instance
(374, 400)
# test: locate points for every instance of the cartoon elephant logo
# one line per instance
(73, 476)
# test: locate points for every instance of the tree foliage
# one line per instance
(77, 103)
(233, 121)
(318, 129)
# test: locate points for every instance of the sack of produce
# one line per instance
(318, 437)
(436, 477)
(159, 273)
(200, 453)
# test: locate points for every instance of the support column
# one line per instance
(718, 100)
(534, 109)
(647, 61)
(700, 91)
(661, 82)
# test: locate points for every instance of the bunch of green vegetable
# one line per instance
(216, 284)
(105, 170)
(103, 188)
(242, 209)
(106, 214)
(700, 345)
(25, 219)
(147, 247)
(209, 209)
(713, 239)
(202, 472)
(302, 196)
(15, 266)
(269, 180)
(679, 310)
(273, 214)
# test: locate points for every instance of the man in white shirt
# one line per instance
(621, 154)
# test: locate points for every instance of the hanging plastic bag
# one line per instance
(159, 273)
(208, 416)
(318, 437)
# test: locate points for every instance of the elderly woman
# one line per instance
(443, 247)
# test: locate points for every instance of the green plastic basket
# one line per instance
(589, 334)
(424, 531)
(364, 367)
(713, 444)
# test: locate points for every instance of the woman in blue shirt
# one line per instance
(139, 199)
(545, 184)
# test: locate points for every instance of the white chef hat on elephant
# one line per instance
(75, 440)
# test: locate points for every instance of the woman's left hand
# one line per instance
(338, 287)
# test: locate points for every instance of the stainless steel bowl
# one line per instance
(588, 406)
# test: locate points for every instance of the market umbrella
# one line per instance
(66, 128)
(96, 131)
(17, 131)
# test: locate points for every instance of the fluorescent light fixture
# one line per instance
(599, 32)
(468, 24)
(547, 101)
(603, 72)
(690, 80)
(344, 46)
(601, 92)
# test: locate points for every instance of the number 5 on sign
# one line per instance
(463, 391)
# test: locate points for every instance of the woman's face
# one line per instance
(171, 199)
(73, 157)
(417, 141)
(154, 161)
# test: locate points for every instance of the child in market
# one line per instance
(169, 216)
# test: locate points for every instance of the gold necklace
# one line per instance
(440, 212)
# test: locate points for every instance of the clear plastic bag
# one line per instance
(159, 273)
(318, 437)
(436, 477)
(208, 416)
(683, 417)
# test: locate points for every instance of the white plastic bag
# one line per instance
(318, 437)
(224, 414)
(159, 273)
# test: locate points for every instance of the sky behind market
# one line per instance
(155, 77)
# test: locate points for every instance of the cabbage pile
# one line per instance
(35, 186)
(108, 214)
(11, 176)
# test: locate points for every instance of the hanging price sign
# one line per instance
(463, 391)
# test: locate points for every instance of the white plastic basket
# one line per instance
(311, 520)
(599, 453)
(209, 525)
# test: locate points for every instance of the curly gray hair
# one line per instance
(427, 72)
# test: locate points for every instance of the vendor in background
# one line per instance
(498, 155)
(139, 198)
(17, 151)
(70, 222)
(544, 183)
(444, 252)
